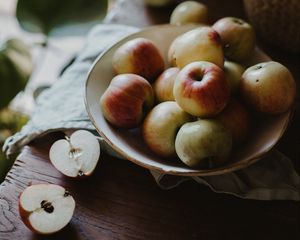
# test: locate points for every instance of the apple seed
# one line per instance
(47, 206)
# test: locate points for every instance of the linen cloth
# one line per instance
(61, 108)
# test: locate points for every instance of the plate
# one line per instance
(128, 143)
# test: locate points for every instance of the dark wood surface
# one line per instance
(122, 201)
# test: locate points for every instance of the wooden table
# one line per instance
(122, 201)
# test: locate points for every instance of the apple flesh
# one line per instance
(46, 208)
(127, 100)
(204, 143)
(238, 37)
(237, 119)
(268, 87)
(233, 73)
(139, 56)
(201, 90)
(161, 125)
(76, 156)
(163, 86)
(200, 44)
(189, 12)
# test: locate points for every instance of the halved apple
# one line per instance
(76, 156)
(46, 208)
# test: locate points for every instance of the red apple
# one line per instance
(139, 56)
(46, 208)
(161, 125)
(201, 89)
(163, 86)
(127, 100)
(200, 44)
(237, 119)
(238, 37)
(268, 87)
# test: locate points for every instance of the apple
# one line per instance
(238, 37)
(171, 52)
(201, 90)
(76, 156)
(268, 87)
(163, 86)
(126, 101)
(199, 44)
(233, 73)
(205, 143)
(161, 125)
(46, 208)
(237, 119)
(139, 56)
(189, 12)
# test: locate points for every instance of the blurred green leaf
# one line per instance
(16, 66)
(10, 123)
(43, 16)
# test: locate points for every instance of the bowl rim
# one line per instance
(192, 172)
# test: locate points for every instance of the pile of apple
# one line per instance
(198, 107)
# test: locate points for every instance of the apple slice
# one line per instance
(46, 208)
(76, 156)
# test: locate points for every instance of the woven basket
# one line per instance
(276, 21)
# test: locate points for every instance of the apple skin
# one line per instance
(171, 52)
(161, 125)
(205, 143)
(163, 86)
(237, 119)
(189, 12)
(238, 37)
(268, 87)
(200, 44)
(233, 73)
(127, 100)
(139, 56)
(201, 90)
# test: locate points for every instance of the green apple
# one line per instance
(161, 125)
(189, 12)
(268, 87)
(233, 73)
(163, 86)
(204, 143)
(139, 56)
(199, 44)
(238, 37)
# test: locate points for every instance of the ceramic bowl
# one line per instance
(129, 143)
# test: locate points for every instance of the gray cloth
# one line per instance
(62, 108)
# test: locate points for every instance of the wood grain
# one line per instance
(122, 201)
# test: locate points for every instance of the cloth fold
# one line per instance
(61, 107)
